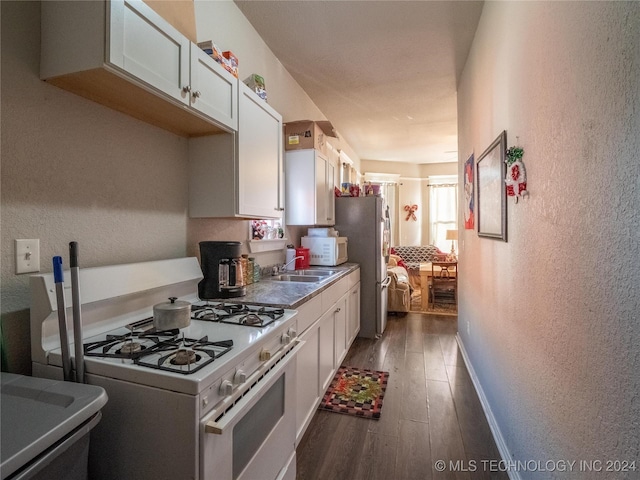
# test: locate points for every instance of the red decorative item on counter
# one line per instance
(302, 263)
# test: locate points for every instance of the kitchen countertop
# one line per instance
(276, 293)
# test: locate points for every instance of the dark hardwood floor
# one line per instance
(430, 412)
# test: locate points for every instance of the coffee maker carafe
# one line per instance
(222, 270)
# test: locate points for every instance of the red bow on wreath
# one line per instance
(411, 209)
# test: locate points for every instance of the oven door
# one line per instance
(252, 434)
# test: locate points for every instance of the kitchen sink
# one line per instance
(300, 278)
(320, 273)
(309, 275)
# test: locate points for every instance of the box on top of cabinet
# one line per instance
(305, 134)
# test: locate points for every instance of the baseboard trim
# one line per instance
(493, 425)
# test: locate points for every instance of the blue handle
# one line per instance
(58, 276)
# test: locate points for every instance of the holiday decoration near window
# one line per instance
(516, 179)
(411, 209)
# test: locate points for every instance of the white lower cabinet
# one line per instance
(326, 359)
(326, 326)
(340, 345)
(353, 307)
(307, 380)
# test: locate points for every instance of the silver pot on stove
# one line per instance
(172, 314)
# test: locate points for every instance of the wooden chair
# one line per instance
(444, 282)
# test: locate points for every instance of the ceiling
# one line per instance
(383, 72)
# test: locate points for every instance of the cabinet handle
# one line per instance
(337, 310)
(196, 94)
(186, 88)
(278, 209)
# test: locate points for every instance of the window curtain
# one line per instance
(443, 214)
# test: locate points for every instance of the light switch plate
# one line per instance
(27, 256)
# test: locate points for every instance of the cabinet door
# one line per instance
(330, 209)
(143, 44)
(213, 90)
(340, 335)
(321, 189)
(310, 178)
(353, 315)
(325, 197)
(326, 343)
(307, 381)
(300, 194)
(259, 156)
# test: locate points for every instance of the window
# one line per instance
(443, 210)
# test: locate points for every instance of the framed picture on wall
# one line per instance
(469, 207)
(492, 195)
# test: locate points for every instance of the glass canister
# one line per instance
(256, 270)
(236, 273)
(249, 272)
(244, 260)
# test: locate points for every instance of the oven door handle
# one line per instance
(233, 406)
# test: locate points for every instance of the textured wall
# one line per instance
(224, 23)
(551, 319)
(75, 170)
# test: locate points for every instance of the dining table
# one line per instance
(425, 278)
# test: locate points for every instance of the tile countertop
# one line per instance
(276, 293)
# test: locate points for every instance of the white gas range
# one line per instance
(213, 400)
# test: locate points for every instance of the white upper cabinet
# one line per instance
(239, 175)
(214, 91)
(121, 53)
(259, 157)
(146, 46)
(310, 181)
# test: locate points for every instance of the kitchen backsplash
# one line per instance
(232, 229)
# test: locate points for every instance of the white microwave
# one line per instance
(329, 251)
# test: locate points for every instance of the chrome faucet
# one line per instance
(284, 267)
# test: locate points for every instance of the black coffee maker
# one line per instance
(221, 267)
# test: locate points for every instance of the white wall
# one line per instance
(550, 320)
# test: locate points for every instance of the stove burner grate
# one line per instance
(184, 355)
(130, 345)
(236, 314)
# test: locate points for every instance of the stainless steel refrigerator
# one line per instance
(362, 220)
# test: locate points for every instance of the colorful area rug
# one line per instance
(356, 391)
